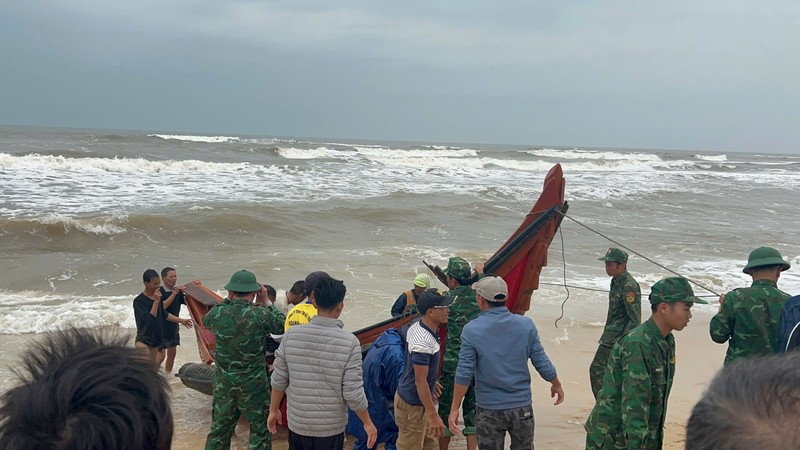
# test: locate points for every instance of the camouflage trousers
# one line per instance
(467, 406)
(492, 425)
(597, 370)
(231, 401)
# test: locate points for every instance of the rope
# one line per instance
(566, 287)
(605, 291)
(635, 253)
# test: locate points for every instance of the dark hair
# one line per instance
(166, 270)
(86, 389)
(328, 293)
(271, 294)
(752, 403)
(149, 275)
(298, 288)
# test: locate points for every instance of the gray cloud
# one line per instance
(718, 75)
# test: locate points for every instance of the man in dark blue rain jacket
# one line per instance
(382, 368)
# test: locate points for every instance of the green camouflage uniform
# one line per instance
(462, 310)
(624, 314)
(241, 384)
(632, 403)
(748, 320)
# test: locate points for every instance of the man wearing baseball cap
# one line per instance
(748, 317)
(624, 312)
(302, 313)
(632, 403)
(241, 386)
(407, 301)
(495, 350)
(415, 413)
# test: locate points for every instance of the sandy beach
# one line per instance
(571, 348)
(557, 427)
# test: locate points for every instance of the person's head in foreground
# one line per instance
(671, 301)
(83, 389)
(753, 403)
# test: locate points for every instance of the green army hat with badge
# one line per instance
(615, 255)
(243, 281)
(458, 268)
(765, 256)
(672, 290)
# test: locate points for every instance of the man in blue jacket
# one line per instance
(789, 326)
(495, 350)
(382, 368)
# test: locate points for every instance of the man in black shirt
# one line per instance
(148, 312)
(172, 298)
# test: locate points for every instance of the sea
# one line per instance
(83, 213)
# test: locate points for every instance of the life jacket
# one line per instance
(411, 300)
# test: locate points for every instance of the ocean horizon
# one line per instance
(84, 212)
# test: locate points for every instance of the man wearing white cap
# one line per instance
(495, 349)
(407, 301)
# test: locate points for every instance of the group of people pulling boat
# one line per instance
(479, 370)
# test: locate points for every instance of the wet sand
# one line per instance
(557, 427)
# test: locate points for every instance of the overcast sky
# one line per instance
(703, 75)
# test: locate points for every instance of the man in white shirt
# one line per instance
(286, 300)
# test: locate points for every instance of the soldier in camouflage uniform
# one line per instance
(624, 312)
(462, 310)
(632, 403)
(241, 384)
(748, 317)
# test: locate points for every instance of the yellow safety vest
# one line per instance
(411, 299)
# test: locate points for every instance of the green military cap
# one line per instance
(243, 281)
(616, 255)
(674, 289)
(765, 256)
(458, 268)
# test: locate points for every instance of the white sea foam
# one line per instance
(48, 165)
(444, 152)
(190, 138)
(69, 187)
(315, 153)
(40, 312)
(594, 154)
(715, 158)
(101, 226)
